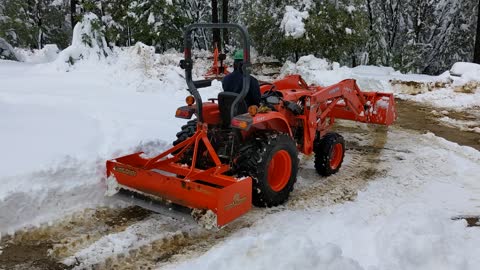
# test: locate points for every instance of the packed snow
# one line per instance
(403, 220)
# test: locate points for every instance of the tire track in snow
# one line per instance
(99, 245)
(359, 168)
(137, 243)
(49, 243)
(334, 189)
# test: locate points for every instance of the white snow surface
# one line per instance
(60, 124)
(460, 68)
(48, 54)
(403, 220)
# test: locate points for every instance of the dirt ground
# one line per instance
(47, 246)
(422, 118)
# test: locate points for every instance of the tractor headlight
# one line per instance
(190, 100)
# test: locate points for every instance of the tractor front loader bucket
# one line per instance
(183, 184)
(378, 108)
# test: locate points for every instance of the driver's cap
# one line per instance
(238, 55)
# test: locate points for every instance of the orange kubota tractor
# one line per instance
(231, 156)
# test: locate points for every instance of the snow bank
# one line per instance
(443, 90)
(324, 73)
(61, 127)
(316, 70)
(461, 93)
(466, 77)
(460, 68)
(292, 23)
(48, 54)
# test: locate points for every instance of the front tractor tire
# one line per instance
(329, 154)
(272, 162)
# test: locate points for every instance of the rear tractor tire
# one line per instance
(329, 154)
(272, 162)
(187, 131)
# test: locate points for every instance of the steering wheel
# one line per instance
(271, 92)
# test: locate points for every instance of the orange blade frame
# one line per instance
(226, 196)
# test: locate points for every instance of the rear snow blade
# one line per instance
(201, 189)
(174, 211)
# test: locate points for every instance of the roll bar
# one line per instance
(187, 64)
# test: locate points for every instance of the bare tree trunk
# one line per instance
(225, 20)
(73, 12)
(370, 15)
(476, 55)
(216, 32)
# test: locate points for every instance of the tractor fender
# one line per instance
(271, 121)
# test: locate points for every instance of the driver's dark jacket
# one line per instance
(233, 82)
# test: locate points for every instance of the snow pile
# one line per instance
(462, 92)
(140, 67)
(460, 68)
(316, 70)
(466, 77)
(443, 90)
(292, 23)
(324, 73)
(48, 54)
(88, 42)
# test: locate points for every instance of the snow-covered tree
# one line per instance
(34, 23)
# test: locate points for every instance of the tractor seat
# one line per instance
(225, 101)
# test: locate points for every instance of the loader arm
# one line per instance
(345, 100)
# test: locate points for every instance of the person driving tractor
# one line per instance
(233, 82)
